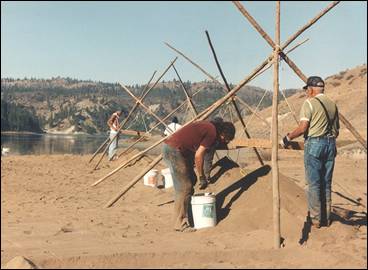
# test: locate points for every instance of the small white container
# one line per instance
(204, 210)
(151, 178)
(168, 182)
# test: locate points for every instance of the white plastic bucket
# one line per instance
(168, 182)
(204, 210)
(151, 178)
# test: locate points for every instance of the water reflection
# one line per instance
(37, 144)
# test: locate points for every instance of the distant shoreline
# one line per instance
(21, 133)
(47, 133)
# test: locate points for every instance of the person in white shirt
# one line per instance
(174, 126)
(114, 125)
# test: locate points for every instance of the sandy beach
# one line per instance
(52, 215)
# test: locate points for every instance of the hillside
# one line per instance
(69, 105)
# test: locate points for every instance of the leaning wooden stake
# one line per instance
(145, 107)
(134, 181)
(353, 130)
(98, 149)
(189, 99)
(275, 165)
(232, 100)
(159, 123)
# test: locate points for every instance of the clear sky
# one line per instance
(124, 41)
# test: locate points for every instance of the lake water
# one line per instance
(39, 144)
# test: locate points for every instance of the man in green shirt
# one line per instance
(319, 122)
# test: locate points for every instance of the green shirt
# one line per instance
(313, 112)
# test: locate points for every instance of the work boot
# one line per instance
(315, 224)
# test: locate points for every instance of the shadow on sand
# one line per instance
(338, 214)
(241, 185)
(225, 164)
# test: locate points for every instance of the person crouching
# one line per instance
(184, 149)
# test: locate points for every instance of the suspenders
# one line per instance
(329, 121)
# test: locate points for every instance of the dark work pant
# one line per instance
(182, 172)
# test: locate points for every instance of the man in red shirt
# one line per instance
(183, 149)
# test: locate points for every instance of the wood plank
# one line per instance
(262, 143)
(133, 132)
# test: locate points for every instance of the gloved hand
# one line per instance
(202, 182)
(285, 141)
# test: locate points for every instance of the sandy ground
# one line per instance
(51, 215)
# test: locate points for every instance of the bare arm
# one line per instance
(198, 159)
(303, 127)
(110, 121)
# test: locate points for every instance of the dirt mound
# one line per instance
(20, 262)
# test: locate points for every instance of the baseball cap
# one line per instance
(314, 81)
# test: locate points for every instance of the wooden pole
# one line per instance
(291, 110)
(232, 100)
(140, 139)
(134, 181)
(98, 149)
(262, 143)
(134, 108)
(275, 165)
(256, 109)
(145, 107)
(192, 62)
(309, 24)
(189, 99)
(353, 131)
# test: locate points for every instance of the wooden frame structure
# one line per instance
(277, 52)
(125, 121)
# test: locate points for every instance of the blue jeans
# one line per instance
(183, 175)
(319, 162)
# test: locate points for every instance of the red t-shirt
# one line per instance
(190, 137)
